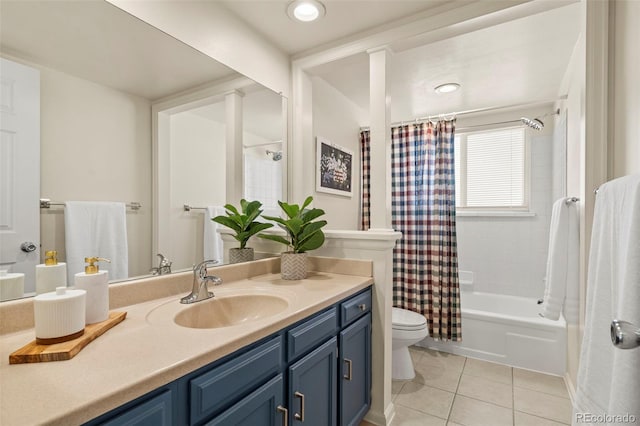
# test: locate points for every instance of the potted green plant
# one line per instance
(303, 234)
(243, 223)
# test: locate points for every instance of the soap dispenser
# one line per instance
(96, 284)
(51, 274)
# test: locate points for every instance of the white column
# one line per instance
(380, 128)
(233, 134)
(378, 247)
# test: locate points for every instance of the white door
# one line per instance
(19, 170)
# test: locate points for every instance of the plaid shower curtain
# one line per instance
(425, 271)
(365, 205)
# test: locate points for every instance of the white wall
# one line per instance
(625, 126)
(508, 255)
(574, 86)
(337, 119)
(196, 179)
(95, 146)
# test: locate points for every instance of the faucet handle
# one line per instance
(163, 260)
(201, 268)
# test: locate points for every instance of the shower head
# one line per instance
(275, 155)
(535, 124)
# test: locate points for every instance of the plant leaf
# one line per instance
(291, 210)
(231, 209)
(276, 238)
(256, 227)
(228, 222)
(309, 215)
(294, 225)
(306, 202)
(316, 240)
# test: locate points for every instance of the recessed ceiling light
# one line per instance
(447, 88)
(305, 10)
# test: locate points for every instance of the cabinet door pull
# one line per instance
(349, 374)
(285, 415)
(362, 307)
(300, 417)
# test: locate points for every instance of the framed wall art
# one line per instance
(334, 168)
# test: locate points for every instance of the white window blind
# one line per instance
(491, 169)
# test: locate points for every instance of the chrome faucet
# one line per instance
(164, 266)
(201, 279)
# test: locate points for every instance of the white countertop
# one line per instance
(140, 355)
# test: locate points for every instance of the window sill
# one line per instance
(462, 213)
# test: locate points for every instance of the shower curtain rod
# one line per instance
(473, 111)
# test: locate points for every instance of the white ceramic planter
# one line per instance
(293, 266)
(238, 255)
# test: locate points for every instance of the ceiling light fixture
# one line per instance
(447, 88)
(305, 10)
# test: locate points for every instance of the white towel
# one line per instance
(608, 377)
(212, 240)
(96, 229)
(562, 258)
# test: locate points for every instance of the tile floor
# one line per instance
(451, 390)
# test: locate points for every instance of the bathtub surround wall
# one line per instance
(508, 254)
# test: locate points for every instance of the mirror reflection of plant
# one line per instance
(243, 221)
(304, 234)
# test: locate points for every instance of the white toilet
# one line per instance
(407, 328)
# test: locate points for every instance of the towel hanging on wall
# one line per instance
(96, 228)
(212, 241)
(562, 257)
(609, 378)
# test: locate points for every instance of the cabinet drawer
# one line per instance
(155, 412)
(224, 384)
(311, 333)
(355, 307)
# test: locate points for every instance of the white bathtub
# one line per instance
(508, 330)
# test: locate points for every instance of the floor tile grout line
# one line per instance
(456, 392)
(540, 391)
(540, 417)
(513, 398)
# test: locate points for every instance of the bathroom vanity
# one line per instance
(318, 371)
(311, 358)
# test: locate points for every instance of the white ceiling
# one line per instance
(520, 61)
(343, 18)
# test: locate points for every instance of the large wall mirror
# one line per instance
(101, 72)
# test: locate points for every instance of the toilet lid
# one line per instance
(402, 319)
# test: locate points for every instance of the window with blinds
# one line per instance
(491, 169)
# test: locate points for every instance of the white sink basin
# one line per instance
(224, 310)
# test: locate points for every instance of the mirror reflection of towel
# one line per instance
(212, 241)
(96, 228)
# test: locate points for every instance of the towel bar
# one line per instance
(46, 203)
(188, 208)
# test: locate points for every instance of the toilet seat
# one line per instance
(402, 319)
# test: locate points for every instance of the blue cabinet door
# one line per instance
(312, 396)
(355, 372)
(155, 412)
(262, 407)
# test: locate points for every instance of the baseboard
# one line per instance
(380, 419)
(570, 388)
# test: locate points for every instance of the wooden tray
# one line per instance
(34, 352)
